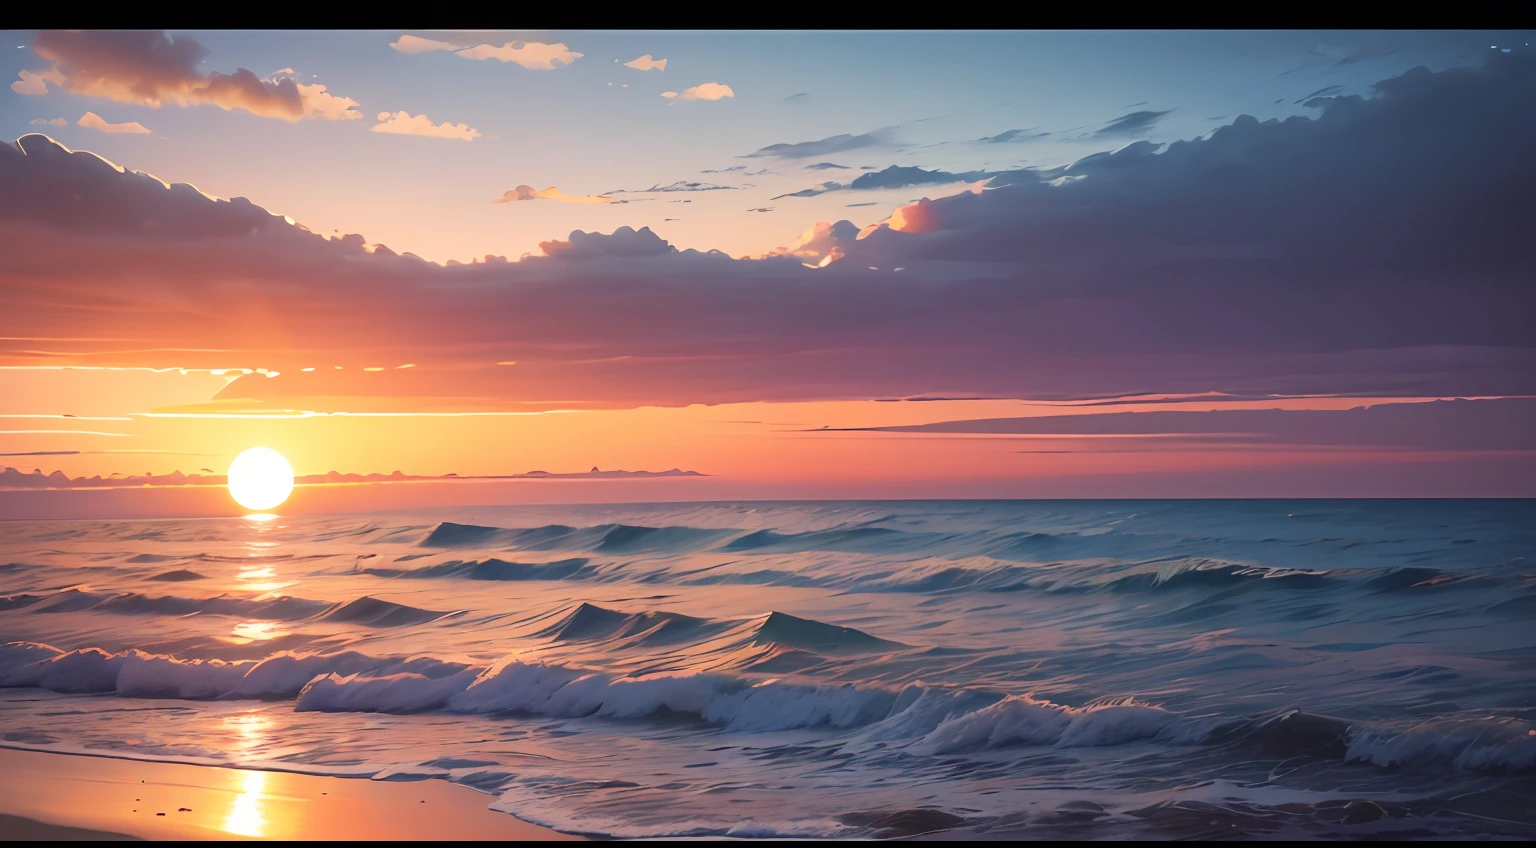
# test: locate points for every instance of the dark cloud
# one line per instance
(624, 242)
(1381, 245)
(825, 146)
(1133, 124)
(1507, 424)
(1325, 91)
(895, 176)
(798, 98)
(824, 166)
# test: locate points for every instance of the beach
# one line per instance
(46, 796)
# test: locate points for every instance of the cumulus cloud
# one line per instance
(533, 55)
(704, 91)
(402, 123)
(646, 63)
(1379, 245)
(822, 243)
(623, 243)
(151, 69)
(93, 121)
(525, 192)
(825, 146)
(52, 122)
(35, 83)
(1131, 124)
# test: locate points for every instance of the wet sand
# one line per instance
(65, 797)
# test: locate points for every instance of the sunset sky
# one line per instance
(904, 264)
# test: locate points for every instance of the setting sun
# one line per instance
(260, 478)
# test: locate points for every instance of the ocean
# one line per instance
(992, 669)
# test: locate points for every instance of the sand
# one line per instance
(64, 797)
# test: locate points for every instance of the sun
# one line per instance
(260, 478)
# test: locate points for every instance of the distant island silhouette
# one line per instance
(11, 478)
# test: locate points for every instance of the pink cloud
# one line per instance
(93, 121)
(646, 63)
(526, 192)
(706, 91)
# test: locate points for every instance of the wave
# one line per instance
(366, 610)
(935, 720)
(591, 622)
(136, 603)
(575, 568)
(180, 575)
(782, 629)
(373, 612)
(602, 538)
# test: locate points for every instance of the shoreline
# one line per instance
(48, 795)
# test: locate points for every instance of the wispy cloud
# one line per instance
(825, 146)
(680, 185)
(533, 55)
(525, 192)
(1132, 124)
(52, 122)
(402, 123)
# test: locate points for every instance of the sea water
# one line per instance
(990, 668)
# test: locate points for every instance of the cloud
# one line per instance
(149, 68)
(533, 55)
(895, 176)
(820, 242)
(623, 243)
(1378, 245)
(646, 63)
(93, 121)
(1133, 124)
(825, 146)
(798, 98)
(824, 166)
(1442, 425)
(704, 91)
(402, 123)
(1011, 136)
(524, 192)
(680, 185)
(35, 83)
(415, 44)
(1325, 91)
(52, 122)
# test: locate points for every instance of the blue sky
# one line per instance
(578, 128)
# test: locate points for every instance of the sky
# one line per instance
(805, 264)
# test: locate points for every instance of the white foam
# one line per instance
(1025, 720)
(394, 693)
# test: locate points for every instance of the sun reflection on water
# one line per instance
(258, 631)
